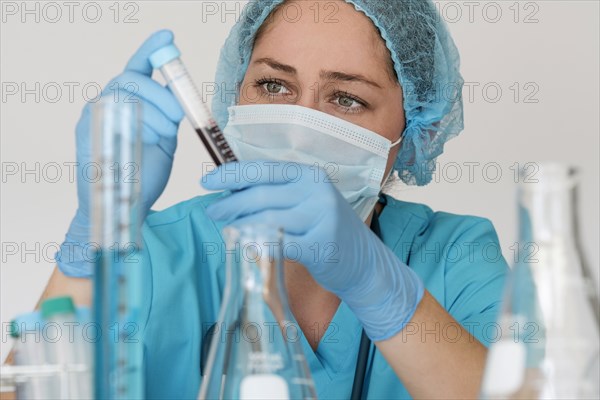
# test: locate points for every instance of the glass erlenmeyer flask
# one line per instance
(255, 351)
(549, 343)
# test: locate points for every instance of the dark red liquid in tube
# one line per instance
(217, 146)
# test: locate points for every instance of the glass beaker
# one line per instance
(116, 223)
(255, 351)
(549, 346)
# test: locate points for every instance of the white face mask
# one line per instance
(354, 158)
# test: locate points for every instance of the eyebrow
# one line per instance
(325, 75)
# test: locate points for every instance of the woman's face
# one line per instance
(330, 58)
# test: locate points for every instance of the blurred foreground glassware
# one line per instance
(52, 358)
(30, 350)
(548, 346)
(255, 351)
(68, 348)
(116, 150)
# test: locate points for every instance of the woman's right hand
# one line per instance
(161, 115)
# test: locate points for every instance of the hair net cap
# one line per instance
(425, 59)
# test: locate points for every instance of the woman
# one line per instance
(383, 72)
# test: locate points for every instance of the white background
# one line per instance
(549, 50)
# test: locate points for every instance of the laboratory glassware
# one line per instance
(168, 61)
(51, 354)
(116, 224)
(30, 351)
(255, 351)
(547, 340)
(68, 347)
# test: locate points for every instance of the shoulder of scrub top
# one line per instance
(174, 229)
(458, 257)
(181, 210)
(409, 223)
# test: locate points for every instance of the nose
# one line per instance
(309, 98)
(312, 95)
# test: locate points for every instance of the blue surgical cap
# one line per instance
(426, 63)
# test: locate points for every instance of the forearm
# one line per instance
(80, 289)
(434, 356)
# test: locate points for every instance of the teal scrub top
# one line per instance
(457, 257)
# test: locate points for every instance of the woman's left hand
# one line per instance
(325, 235)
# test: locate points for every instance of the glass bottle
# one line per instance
(30, 350)
(69, 349)
(255, 351)
(549, 342)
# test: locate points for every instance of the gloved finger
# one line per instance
(149, 135)
(168, 145)
(240, 175)
(155, 122)
(308, 252)
(255, 199)
(295, 221)
(150, 126)
(139, 62)
(147, 89)
(83, 139)
(153, 117)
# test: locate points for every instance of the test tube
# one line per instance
(168, 61)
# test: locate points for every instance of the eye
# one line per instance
(346, 101)
(273, 86)
(349, 103)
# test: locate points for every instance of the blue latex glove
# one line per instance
(161, 117)
(351, 262)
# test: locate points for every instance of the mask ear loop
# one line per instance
(393, 144)
(391, 173)
(397, 142)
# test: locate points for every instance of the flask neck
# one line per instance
(261, 283)
(255, 273)
(548, 208)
